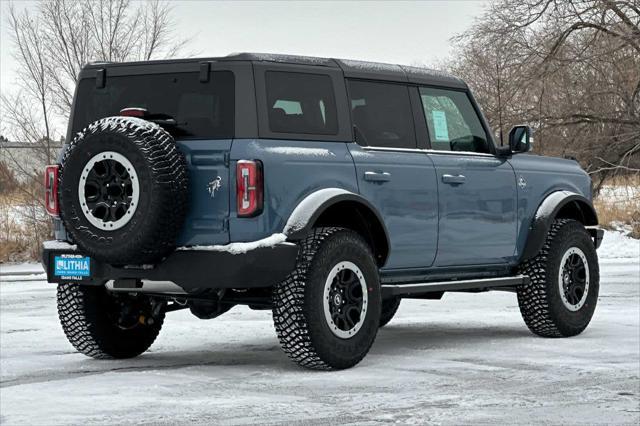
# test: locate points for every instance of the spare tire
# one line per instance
(123, 189)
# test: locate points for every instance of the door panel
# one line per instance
(477, 209)
(402, 186)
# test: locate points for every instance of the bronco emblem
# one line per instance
(214, 185)
(522, 183)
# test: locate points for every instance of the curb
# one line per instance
(20, 273)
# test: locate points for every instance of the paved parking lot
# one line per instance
(465, 359)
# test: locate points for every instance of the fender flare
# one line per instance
(307, 212)
(547, 212)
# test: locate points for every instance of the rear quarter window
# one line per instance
(301, 103)
(201, 110)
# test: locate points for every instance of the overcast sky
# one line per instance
(396, 32)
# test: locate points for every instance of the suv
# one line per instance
(325, 190)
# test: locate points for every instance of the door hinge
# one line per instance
(227, 159)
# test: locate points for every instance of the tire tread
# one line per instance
(79, 316)
(534, 298)
(291, 324)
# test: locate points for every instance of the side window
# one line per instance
(381, 114)
(301, 103)
(452, 121)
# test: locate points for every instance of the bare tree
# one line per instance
(51, 44)
(30, 53)
(54, 42)
(571, 69)
(113, 31)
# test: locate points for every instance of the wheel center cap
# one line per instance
(337, 300)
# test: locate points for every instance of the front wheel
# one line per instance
(106, 325)
(561, 297)
(326, 313)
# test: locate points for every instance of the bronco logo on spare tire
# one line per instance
(123, 191)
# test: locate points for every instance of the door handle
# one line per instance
(454, 179)
(377, 176)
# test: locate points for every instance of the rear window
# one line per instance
(201, 110)
(301, 103)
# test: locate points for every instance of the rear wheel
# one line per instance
(326, 313)
(106, 325)
(389, 309)
(561, 297)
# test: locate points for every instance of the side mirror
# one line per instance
(520, 139)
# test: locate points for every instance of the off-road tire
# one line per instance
(389, 308)
(298, 313)
(161, 168)
(91, 331)
(540, 301)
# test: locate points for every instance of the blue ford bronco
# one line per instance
(325, 190)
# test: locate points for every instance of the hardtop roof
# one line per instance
(351, 68)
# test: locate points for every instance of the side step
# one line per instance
(390, 290)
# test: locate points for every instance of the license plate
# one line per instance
(71, 266)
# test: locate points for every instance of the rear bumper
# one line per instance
(192, 270)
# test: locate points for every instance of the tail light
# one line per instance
(51, 190)
(249, 188)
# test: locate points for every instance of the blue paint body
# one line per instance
(207, 218)
(431, 223)
(442, 211)
(407, 202)
(543, 176)
(477, 219)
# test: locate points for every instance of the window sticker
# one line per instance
(440, 125)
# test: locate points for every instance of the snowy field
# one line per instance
(466, 359)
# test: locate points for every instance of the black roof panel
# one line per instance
(374, 70)
(351, 68)
(286, 59)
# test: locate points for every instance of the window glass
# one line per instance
(289, 107)
(452, 121)
(381, 114)
(301, 103)
(201, 110)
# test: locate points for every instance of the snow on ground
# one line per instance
(20, 268)
(620, 193)
(466, 359)
(22, 272)
(616, 245)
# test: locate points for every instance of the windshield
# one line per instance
(201, 110)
